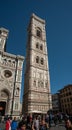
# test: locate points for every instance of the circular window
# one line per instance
(7, 73)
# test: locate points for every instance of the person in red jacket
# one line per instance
(8, 124)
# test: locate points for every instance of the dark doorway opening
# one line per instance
(2, 108)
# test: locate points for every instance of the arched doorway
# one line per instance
(2, 108)
(4, 102)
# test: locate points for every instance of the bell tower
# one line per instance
(37, 96)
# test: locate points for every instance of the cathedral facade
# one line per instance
(10, 78)
(37, 93)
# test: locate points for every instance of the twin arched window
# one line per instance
(39, 46)
(34, 83)
(46, 84)
(40, 84)
(38, 32)
(39, 60)
(42, 61)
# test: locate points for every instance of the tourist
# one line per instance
(8, 124)
(29, 123)
(36, 123)
(14, 124)
(43, 125)
(68, 125)
(21, 125)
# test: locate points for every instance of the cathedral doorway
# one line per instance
(2, 108)
(4, 102)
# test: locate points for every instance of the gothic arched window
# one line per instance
(16, 106)
(41, 47)
(37, 59)
(38, 32)
(37, 45)
(34, 83)
(17, 91)
(46, 84)
(42, 84)
(38, 83)
(42, 61)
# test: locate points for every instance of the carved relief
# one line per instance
(34, 83)
(17, 91)
(3, 94)
(18, 78)
(20, 64)
(40, 84)
(5, 84)
(37, 75)
(34, 74)
(8, 62)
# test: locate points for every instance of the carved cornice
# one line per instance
(38, 18)
(9, 55)
(3, 29)
(20, 57)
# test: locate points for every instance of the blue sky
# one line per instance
(15, 16)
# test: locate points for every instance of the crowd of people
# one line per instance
(38, 122)
(27, 123)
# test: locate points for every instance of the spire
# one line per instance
(3, 37)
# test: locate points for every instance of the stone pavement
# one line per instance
(58, 127)
(2, 126)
